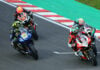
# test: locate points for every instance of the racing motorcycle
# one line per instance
(86, 50)
(25, 43)
(26, 20)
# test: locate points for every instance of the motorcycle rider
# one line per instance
(87, 30)
(30, 24)
(72, 39)
(80, 24)
(14, 33)
(19, 12)
(77, 27)
(81, 27)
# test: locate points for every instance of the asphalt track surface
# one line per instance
(51, 38)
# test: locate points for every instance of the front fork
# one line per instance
(83, 54)
(86, 54)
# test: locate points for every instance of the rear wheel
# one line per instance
(35, 35)
(94, 61)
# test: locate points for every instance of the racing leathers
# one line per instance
(72, 41)
(14, 33)
(86, 29)
(29, 13)
(28, 22)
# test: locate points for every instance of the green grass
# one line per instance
(93, 3)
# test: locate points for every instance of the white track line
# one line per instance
(69, 23)
(56, 52)
(33, 8)
(47, 13)
(52, 21)
(21, 3)
(58, 18)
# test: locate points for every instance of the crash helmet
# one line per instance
(23, 16)
(16, 24)
(81, 21)
(19, 9)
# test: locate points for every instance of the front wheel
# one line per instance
(92, 58)
(94, 61)
(20, 49)
(94, 50)
(34, 53)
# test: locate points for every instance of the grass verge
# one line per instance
(93, 3)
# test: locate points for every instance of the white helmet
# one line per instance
(81, 21)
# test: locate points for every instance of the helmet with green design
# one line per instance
(16, 24)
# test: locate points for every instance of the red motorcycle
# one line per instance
(86, 50)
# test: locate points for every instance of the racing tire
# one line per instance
(34, 53)
(35, 35)
(92, 58)
(94, 50)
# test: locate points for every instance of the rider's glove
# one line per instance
(69, 45)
